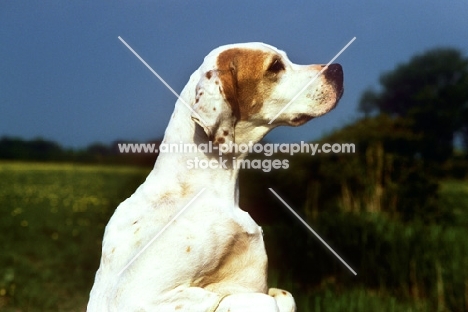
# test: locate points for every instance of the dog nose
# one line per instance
(334, 75)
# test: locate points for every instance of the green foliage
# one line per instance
(454, 199)
(358, 300)
(416, 265)
(382, 209)
(431, 90)
(412, 261)
(385, 174)
(48, 151)
(53, 218)
(37, 149)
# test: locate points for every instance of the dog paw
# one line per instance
(284, 299)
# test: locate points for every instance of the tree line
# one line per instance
(39, 149)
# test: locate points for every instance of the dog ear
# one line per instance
(212, 110)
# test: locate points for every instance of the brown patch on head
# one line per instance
(187, 249)
(208, 75)
(242, 73)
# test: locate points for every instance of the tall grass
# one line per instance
(424, 266)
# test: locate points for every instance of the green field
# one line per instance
(53, 217)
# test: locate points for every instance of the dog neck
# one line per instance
(190, 168)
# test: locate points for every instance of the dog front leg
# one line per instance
(248, 302)
(284, 299)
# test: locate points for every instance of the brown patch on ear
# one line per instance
(242, 75)
(230, 91)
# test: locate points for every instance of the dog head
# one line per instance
(242, 88)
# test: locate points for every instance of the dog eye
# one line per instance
(276, 66)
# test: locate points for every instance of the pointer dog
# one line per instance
(212, 257)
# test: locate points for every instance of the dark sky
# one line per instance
(65, 76)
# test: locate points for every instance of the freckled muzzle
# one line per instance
(334, 77)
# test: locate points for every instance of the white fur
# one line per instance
(212, 258)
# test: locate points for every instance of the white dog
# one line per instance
(212, 256)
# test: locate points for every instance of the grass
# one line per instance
(454, 198)
(53, 218)
(52, 221)
(327, 298)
